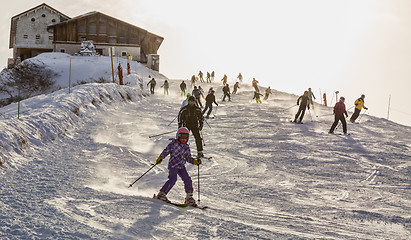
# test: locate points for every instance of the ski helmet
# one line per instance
(342, 99)
(191, 99)
(182, 134)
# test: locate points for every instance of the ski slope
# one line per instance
(70, 158)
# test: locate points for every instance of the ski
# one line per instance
(203, 158)
(296, 122)
(340, 134)
(182, 205)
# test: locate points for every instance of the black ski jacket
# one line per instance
(210, 99)
(190, 117)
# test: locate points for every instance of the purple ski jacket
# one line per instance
(179, 154)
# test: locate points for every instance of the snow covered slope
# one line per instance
(70, 158)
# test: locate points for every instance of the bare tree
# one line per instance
(34, 78)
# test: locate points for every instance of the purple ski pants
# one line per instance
(172, 179)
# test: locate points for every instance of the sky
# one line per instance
(354, 47)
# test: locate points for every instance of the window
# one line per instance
(92, 28)
(82, 28)
(38, 37)
(102, 28)
(51, 37)
(124, 54)
(62, 50)
(53, 20)
(43, 15)
(26, 36)
(33, 19)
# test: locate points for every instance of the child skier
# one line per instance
(257, 97)
(180, 153)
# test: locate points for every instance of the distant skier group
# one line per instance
(339, 111)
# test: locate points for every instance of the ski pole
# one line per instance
(291, 107)
(198, 184)
(207, 123)
(362, 115)
(310, 115)
(173, 120)
(202, 137)
(142, 175)
(161, 134)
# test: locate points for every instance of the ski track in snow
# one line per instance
(268, 178)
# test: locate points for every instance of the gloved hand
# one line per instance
(159, 160)
(346, 115)
(366, 108)
(197, 162)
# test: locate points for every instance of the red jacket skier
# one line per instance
(339, 112)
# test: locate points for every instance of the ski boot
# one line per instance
(190, 200)
(162, 196)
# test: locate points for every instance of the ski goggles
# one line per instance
(183, 135)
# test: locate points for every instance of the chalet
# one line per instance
(67, 34)
(28, 32)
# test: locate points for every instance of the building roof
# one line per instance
(37, 7)
(95, 13)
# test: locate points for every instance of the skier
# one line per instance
(310, 98)
(128, 68)
(180, 153)
(226, 91)
(224, 80)
(191, 117)
(267, 93)
(359, 104)
(201, 91)
(152, 85)
(185, 102)
(236, 86)
(193, 80)
(210, 99)
(255, 85)
(208, 78)
(196, 93)
(200, 76)
(166, 86)
(183, 88)
(240, 78)
(257, 97)
(303, 106)
(339, 111)
(209, 90)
